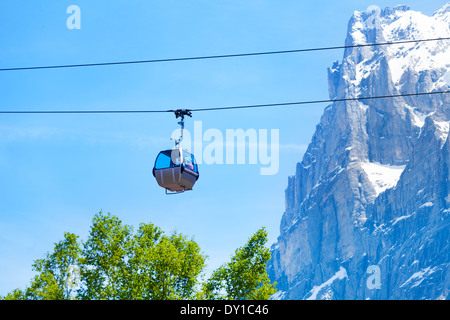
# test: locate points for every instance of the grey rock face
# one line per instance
(368, 209)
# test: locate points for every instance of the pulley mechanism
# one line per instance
(180, 113)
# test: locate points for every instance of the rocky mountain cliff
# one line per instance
(368, 209)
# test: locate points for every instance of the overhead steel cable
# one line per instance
(220, 56)
(283, 104)
(319, 101)
(82, 111)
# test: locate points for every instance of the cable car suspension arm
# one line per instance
(180, 113)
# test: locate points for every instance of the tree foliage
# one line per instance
(118, 263)
(245, 276)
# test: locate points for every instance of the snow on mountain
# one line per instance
(372, 189)
(409, 24)
(381, 176)
(442, 129)
(339, 275)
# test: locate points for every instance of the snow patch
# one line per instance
(443, 127)
(382, 177)
(427, 205)
(279, 295)
(417, 278)
(419, 118)
(341, 274)
(401, 218)
(416, 56)
(446, 78)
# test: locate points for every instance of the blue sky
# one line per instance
(57, 171)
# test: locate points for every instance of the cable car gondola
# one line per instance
(176, 169)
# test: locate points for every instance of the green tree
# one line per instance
(141, 272)
(173, 266)
(245, 276)
(54, 272)
(16, 294)
(103, 265)
(117, 263)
